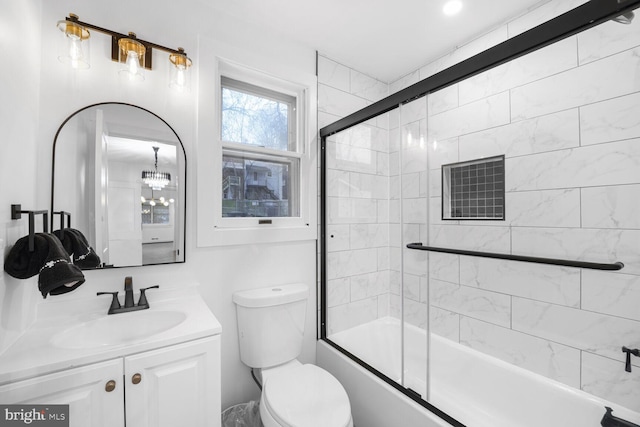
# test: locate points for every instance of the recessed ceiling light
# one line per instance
(452, 7)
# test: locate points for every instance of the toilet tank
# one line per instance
(271, 324)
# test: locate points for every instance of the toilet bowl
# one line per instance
(270, 331)
(300, 395)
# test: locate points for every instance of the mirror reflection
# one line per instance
(119, 170)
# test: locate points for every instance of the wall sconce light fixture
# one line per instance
(133, 53)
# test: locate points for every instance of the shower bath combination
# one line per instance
(438, 320)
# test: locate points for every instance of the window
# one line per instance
(260, 157)
(473, 189)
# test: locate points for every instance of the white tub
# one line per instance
(476, 389)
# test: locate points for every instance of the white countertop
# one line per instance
(35, 352)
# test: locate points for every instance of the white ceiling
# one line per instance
(383, 38)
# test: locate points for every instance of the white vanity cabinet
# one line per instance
(83, 389)
(177, 385)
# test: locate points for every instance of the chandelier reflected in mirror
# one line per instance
(154, 179)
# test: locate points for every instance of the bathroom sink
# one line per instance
(117, 329)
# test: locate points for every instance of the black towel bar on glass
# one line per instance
(550, 261)
(16, 213)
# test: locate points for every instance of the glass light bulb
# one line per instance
(142, 199)
(162, 199)
(133, 64)
(152, 203)
(171, 200)
(166, 203)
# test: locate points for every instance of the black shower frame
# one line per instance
(581, 18)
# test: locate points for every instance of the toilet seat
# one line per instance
(307, 396)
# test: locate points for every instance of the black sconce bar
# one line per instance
(115, 37)
(62, 214)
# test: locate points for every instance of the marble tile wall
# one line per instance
(358, 199)
(567, 120)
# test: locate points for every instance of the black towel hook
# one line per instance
(16, 213)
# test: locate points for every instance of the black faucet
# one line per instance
(129, 305)
(611, 421)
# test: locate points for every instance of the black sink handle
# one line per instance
(143, 296)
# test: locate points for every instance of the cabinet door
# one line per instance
(83, 389)
(178, 386)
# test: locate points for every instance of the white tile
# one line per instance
(541, 14)
(382, 164)
(349, 315)
(325, 119)
(414, 211)
(338, 237)
(539, 64)
(384, 258)
(337, 102)
(435, 183)
(596, 333)
(555, 284)
(607, 379)
(443, 152)
(337, 183)
(611, 293)
(383, 305)
(369, 236)
(415, 262)
(424, 184)
(593, 82)
(444, 323)
(411, 185)
(546, 133)
(368, 285)
(552, 360)
(403, 82)
(444, 267)
(333, 74)
(479, 304)
(367, 87)
(595, 165)
(486, 113)
(546, 208)
(366, 186)
(364, 136)
(610, 120)
(443, 100)
(413, 111)
(338, 291)
(383, 211)
(473, 238)
(607, 39)
(476, 46)
(348, 211)
(611, 207)
(414, 159)
(411, 286)
(347, 158)
(416, 313)
(593, 245)
(351, 263)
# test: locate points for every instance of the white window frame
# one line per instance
(215, 230)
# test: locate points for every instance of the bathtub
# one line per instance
(475, 389)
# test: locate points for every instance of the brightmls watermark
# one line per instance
(34, 415)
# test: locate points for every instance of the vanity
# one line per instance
(153, 367)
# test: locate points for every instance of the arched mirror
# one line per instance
(119, 174)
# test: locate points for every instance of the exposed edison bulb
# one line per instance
(166, 203)
(180, 73)
(171, 200)
(152, 202)
(132, 54)
(142, 199)
(162, 199)
(74, 45)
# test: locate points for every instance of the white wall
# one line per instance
(45, 92)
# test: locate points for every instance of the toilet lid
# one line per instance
(307, 396)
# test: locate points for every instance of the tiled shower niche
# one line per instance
(473, 189)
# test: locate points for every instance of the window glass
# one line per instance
(258, 187)
(257, 116)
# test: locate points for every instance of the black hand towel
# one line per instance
(78, 247)
(56, 275)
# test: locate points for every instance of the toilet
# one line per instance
(270, 331)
